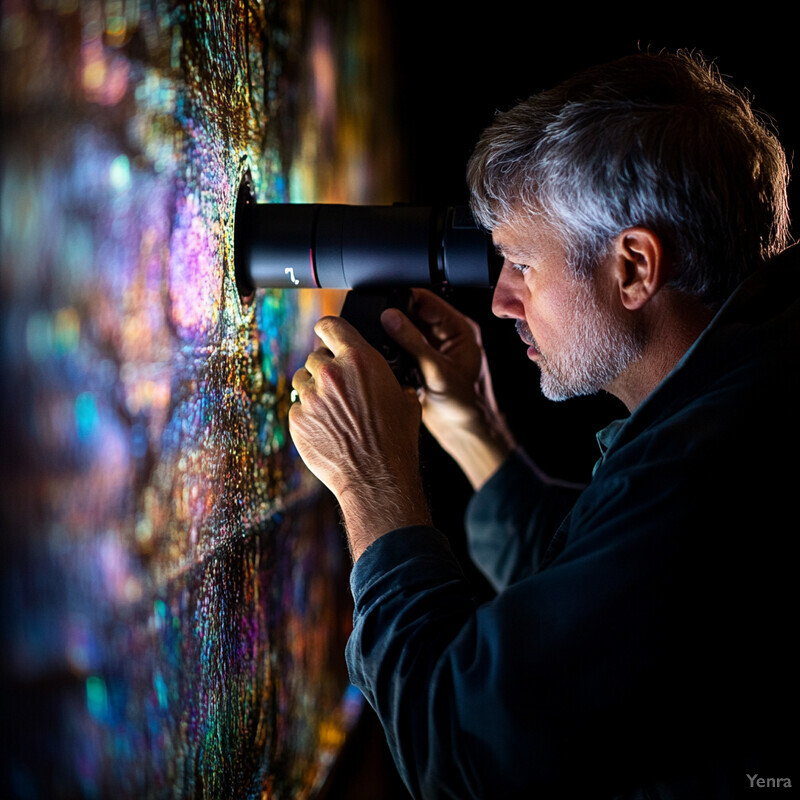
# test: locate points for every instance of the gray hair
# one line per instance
(652, 140)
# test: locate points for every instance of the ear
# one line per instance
(638, 266)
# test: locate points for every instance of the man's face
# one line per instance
(580, 343)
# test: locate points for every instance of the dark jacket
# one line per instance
(644, 649)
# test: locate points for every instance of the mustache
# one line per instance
(524, 332)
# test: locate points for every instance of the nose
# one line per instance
(507, 298)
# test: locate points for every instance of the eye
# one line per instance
(523, 268)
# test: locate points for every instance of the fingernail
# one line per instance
(391, 319)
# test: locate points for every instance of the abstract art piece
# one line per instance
(174, 584)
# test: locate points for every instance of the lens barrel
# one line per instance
(330, 246)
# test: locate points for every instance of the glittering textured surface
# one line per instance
(174, 585)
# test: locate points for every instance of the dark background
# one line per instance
(454, 69)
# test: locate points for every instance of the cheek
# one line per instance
(550, 313)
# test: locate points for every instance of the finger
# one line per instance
(406, 334)
(337, 334)
(411, 339)
(318, 357)
(439, 318)
(300, 380)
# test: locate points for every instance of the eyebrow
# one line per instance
(509, 253)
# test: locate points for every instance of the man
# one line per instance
(638, 642)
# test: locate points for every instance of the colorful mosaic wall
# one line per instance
(174, 599)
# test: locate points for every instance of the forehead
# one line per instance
(526, 238)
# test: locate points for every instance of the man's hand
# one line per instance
(358, 431)
(458, 405)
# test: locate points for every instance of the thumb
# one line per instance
(413, 341)
(405, 333)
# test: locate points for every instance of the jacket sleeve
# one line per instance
(511, 520)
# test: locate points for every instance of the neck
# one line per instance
(672, 324)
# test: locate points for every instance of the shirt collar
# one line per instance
(605, 438)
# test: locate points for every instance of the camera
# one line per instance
(377, 252)
(330, 246)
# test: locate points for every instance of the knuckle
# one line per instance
(358, 357)
(326, 372)
(327, 325)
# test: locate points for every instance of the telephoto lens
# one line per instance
(331, 246)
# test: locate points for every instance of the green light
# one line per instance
(120, 173)
(96, 697)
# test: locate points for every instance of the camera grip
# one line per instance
(363, 308)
